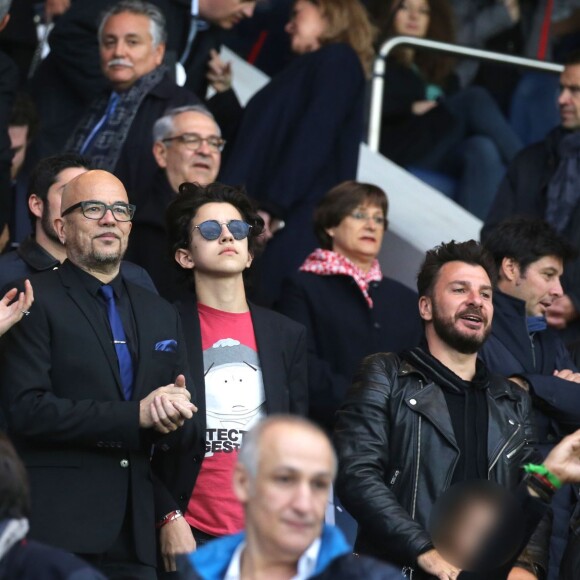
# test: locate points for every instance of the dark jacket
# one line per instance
(523, 193)
(282, 351)
(397, 453)
(299, 136)
(136, 167)
(405, 137)
(8, 86)
(29, 560)
(30, 258)
(511, 350)
(342, 330)
(87, 458)
(68, 79)
(571, 559)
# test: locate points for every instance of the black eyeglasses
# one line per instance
(212, 229)
(95, 210)
(193, 141)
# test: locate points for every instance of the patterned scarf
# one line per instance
(105, 145)
(563, 193)
(329, 263)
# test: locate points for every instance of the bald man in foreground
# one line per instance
(89, 381)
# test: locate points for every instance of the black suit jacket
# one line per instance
(81, 442)
(282, 351)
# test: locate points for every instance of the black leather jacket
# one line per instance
(397, 452)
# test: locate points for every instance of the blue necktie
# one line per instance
(111, 106)
(119, 340)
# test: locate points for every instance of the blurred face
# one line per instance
(127, 50)
(51, 209)
(226, 13)
(412, 18)
(285, 503)
(460, 309)
(181, 162)
(221, 257)
(93, 245)
(359, 235)
(306, 26)
(18, 144)
(569, 99)
(538, 286)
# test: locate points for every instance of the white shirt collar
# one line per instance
(306, 564)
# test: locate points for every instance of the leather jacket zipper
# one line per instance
(410, 569)
(514, 451)
(503, 448)
(414, 504)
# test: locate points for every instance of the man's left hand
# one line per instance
(175, 538)
(561, 312)
(521, 574)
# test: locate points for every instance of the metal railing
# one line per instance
(379, 68)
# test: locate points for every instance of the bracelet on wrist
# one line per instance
(170, 517)
(542, 490)
(543, 470)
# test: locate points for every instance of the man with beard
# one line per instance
(416, 423)
(542, 182)
(89, 381)
(530, 258)
(43, 250)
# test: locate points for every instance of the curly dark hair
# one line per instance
(183, 209)
(470, 252)
(526, 240)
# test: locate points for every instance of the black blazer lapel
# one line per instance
(271, 354)
(192, 332)
(91, 312)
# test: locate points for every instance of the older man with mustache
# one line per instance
(116, 130)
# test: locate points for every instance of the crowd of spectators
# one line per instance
(187, 283)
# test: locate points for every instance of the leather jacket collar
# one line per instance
(36, 256)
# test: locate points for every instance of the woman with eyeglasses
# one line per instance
(245, 361)
(349, 308)
(300, 134)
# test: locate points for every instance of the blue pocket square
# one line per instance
(169, 345)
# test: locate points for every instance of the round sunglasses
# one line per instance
(212, 229)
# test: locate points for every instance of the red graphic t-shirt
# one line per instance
(235, 401)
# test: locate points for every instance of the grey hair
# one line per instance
(249, 455)
(156, 18)
(4, 7)
(163, 127)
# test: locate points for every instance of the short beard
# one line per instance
(447, 332)
(98, 262)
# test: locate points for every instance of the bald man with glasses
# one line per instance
(90, 381)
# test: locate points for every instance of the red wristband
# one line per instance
(171, 516)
